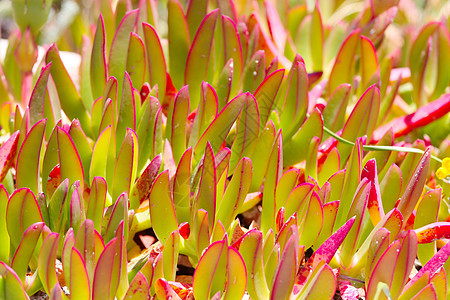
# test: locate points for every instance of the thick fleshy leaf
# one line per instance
(265, 95)
(374, 206)
(321, 284)
(294, 105)
(96, 203)
(427, 212)
(361, 121)
(358, 209)
(415, 186)
(103, 273)
(85, 244)
(284, 277)
(119, 48)
(4, 235)
(57, 216)
(141, 188)
(46, 263)
(384, 269)
(433, 231)
(343, 67)
(404, 263)
(232, 49)
(206, 192)
(295, 149)
(28, 159)
(251, 249)
(69, 97)
(164, 290)
(311, 220)
(436, 52)
(206, 113)
(22, 211)
(247, 132)
(149, 131)
(136, 65)
(37, 99)
(210, 269)
(79, 280)
(181, 187)
(335, 110)
(99, 159)
(75, 207)
(155, 60)
(196, 12)
(162, 211)
(326, 251)
(219, 128)
(273, 175)
(176, 123)
(170, 255)
(26, 249)
(329, 216)
(98, 60)
(11, 288)
(69, 158)
(237, 275)
(127, 111)
(179, 42)
(139, 288)
(126, 165)
(235, 193)
(199, 56)
(370, 73)
(82, 144)
(223, 84)
(119, 213)
(350, 184)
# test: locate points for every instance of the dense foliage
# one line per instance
(225, 149)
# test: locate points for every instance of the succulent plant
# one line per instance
(275, 150)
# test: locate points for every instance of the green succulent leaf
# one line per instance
(26, 250)
(284, 277)
(69, 159)
(103, 272)
(235, 193)
(218, 130)
(22, 212)
(70, 99)
(46, 262)
(343, 68)
(251, 249)
(176, 123)
(126, 165)
(136, 65)
(119, 48)
(162, 211)
(209, 277)
(38, 96)
(139, 288)
(98, 70)
(11, 287)
(197, 64)
(415, 186)
(232, 49)
(29, 156)
(79, 279)
(179, 42)
(155, 59)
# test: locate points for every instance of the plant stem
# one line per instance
(379, 148)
